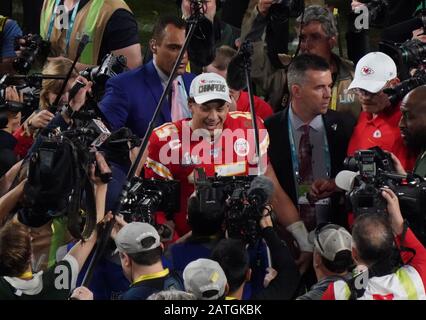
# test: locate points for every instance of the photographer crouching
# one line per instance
(17, 280)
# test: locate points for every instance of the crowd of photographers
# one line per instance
(239, 172)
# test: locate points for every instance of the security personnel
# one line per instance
(110, 25)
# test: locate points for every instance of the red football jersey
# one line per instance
(174, 151)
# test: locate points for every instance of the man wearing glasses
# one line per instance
(378, 123)
(318, 35)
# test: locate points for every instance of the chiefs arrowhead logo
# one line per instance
(202, 81)
(366, 71)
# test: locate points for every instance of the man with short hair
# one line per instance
(220, 64)
(332, 258)
(140, 253)
(413, 126)
(378, 122)
(131, 97)
(312, 140)
(380, 242)
(318, 35)
(220, 142)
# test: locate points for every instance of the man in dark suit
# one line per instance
(308, 142)
(130, 98)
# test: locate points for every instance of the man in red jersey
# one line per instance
(221, 142)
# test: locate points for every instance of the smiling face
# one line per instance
(166, 50)
(209, 116)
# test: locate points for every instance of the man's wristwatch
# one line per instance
(69, 112)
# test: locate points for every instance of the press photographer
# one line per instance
(371, 171)
(10, 118)
(17, 278)
(392, 254)
(231, 154)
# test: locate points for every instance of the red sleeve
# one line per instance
(419, 260)
(153, 163)
(24, 142)
(329, 293)
(263, 109)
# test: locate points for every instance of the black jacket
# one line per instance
(339, 129)
(7, 155)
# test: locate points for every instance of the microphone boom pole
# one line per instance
(247, 48)
(105, 234)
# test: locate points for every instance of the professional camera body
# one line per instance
(376, 171)
(111, 66)
(146, 196)
(377, 11)
(34, 47)
(243, 197)
(5, 108)
(407, 56)
(281, 10)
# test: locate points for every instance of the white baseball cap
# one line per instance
(373, 71)
(209, 86)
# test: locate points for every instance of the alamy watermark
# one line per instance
(62, 20)
(362, 20)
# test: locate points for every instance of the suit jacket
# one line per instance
(339, 129)
(131, 97)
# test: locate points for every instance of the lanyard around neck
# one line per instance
(70, 27)
(294, 157)
(150, 276)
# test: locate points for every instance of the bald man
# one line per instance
(413, 126)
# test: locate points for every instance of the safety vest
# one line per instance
(90, 19)
(404, 284)
(2, 24)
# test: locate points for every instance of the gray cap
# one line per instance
(205, 279)
(129, 238)
(330, 240)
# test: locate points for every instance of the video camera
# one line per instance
(147, 196)
(111, 66)
(59, 170)
(281, 10)
(377, 11)
(408, 55)
(372, 170)
(33, 47)
(5, 108)
(243, 197)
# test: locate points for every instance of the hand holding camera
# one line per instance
(394, 210)
(100, 173)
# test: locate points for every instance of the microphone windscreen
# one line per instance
(262, 183)
(345, 179)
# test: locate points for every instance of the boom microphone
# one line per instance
(345, 179)
(261, 190)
